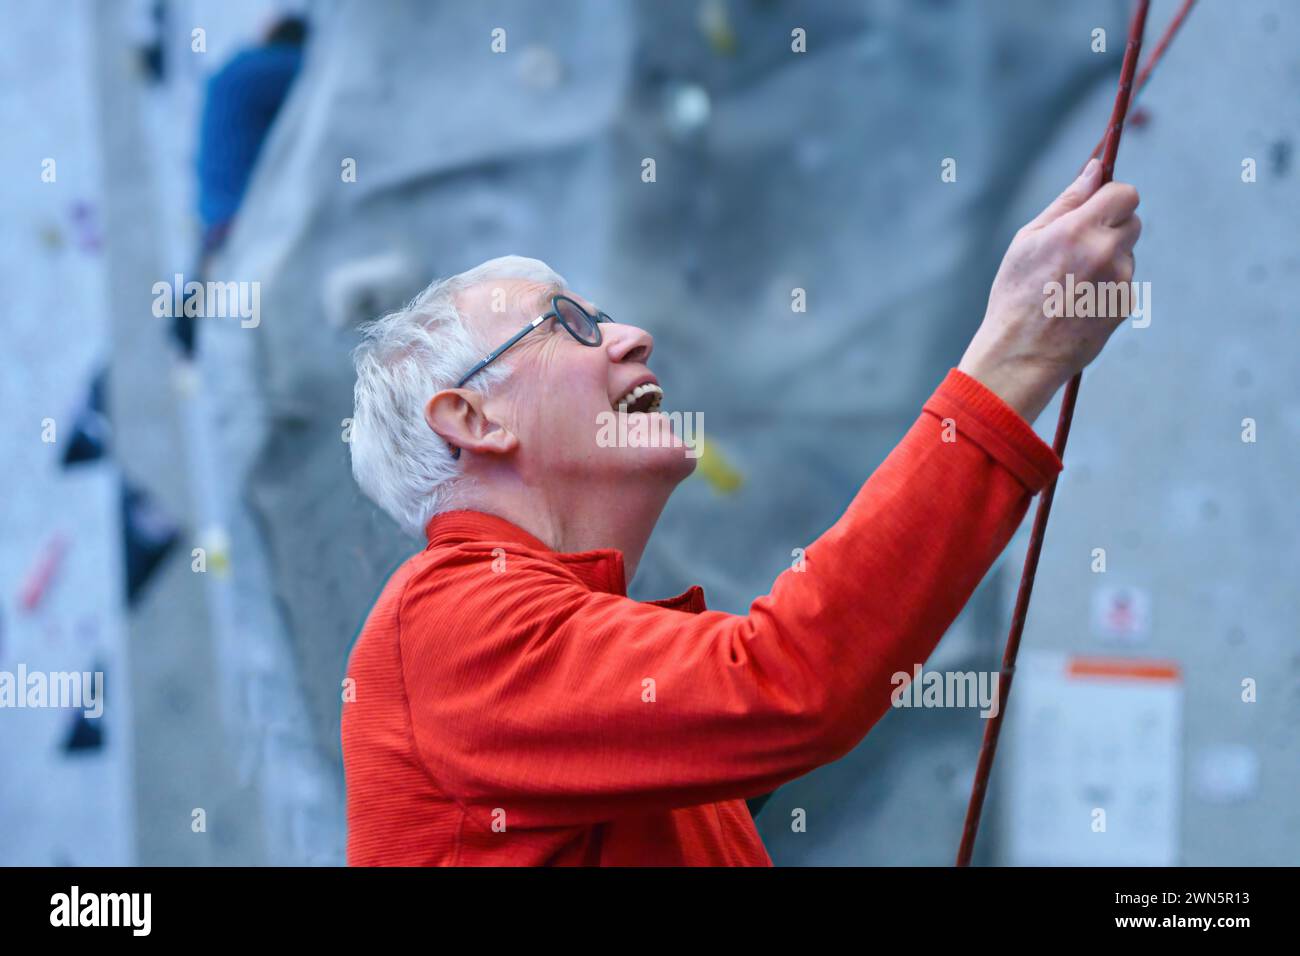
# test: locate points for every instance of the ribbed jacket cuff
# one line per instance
(996, 427)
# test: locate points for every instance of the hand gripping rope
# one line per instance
(1108, 147)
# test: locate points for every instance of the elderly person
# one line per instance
(512, 705)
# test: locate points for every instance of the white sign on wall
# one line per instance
(1094, 748)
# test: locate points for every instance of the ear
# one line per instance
(458, 417)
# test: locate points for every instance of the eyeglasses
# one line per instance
(577, 321)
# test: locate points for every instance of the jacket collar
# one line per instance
(599, 570)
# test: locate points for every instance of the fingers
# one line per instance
(1129, 232)
(1112, 204)
(1074, 196)
(1120, 243)
(1125, 267)
(1110, 250)
(1107, 227)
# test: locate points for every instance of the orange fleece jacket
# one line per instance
(512, 706)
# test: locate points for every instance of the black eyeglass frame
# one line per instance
(554, 313)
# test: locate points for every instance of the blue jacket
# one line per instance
(242, 100)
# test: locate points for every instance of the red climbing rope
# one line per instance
(1145, 73)
(1110, 141)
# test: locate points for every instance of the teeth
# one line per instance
(641, 391)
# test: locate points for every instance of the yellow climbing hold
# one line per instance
(717, 471)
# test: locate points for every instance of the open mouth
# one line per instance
(644, 398)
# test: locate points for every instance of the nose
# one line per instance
(627, 343)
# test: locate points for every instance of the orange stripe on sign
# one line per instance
(1123, 667)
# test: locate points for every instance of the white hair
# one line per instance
(404, 358)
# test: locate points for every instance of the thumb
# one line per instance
(1074, 196)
